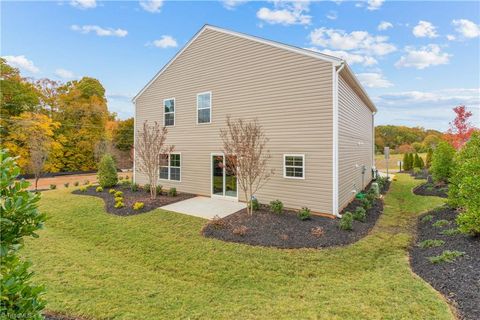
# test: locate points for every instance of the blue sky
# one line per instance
(417, 60)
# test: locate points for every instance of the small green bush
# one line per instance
(441, 223)
(118, 194)
(417, 171)
(146, 188)
(427, 218)
(119, 204)
(346, 222)
(255, 205)
(159, 189)
(406, 164)
(138, 205)
(446, 256)
(450, 232)
(360, 214)
(371, 195)
(107, 172)
(83, 189)
(276, 206)
(99, 189)
(431, 243)
(134, 187)
(366, 203)
(76, 183)
(442, 162)
(304, 214)
(66, 184)
(53, 186)
(112, 191)
(469, 222)
(172, 192)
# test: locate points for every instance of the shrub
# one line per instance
(112, 191)
(83, 189)
(375, 189)
(172, 192)
(159, 189)
(371, 195)
(441, 223)
(66, 184)
(218, 223)
(119, 204)
(120, 178)
(428, 159)
(417, 171)
(134, 187)
(304, 214)
(406, 162)
(427, 218)
(366, 203)
(254, 204)
(20, 218)
(346, 221)
(138, 205)
(146, 188)
(450, 232)
(240, 231)
(442, 162)
(317, 232)
(446, 256)
(76, 183)
(469, 222)
(118, 199)
(431, 243)
(360, 214)
(417, 163)
(276, 206)
(126, 177)
(99, 189)
(53, 186)
(124, 183)
(118, 194)
(107, 171)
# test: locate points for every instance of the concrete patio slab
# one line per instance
(205, 207)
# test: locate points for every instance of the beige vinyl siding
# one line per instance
(290, 94)
(355, 142)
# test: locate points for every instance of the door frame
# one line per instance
(224, 196)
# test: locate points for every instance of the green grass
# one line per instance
(158, 266)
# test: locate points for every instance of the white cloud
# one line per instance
(425, 29)
(83, 4)
(286, 13)
(101, 32)
(451, 37)
(384, 25)
(332, 15)
(351, 58)
(64, 74)
(232, 4)
(165, 42)
(467, 28)
(424, 57)
(374, 4)
(153, 6)
(374, 80)
(360, 41)
(22, 63)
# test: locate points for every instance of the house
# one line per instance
(318, 118)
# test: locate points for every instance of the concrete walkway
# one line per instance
(205, 207)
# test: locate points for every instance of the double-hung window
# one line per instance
(169, 112)
(294, 166)
(170, 166)
(204, 107)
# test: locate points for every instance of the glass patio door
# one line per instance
(224, 182)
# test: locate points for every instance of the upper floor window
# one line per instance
(169, 112)
(204, 107)
(170, 166)
(294, 166)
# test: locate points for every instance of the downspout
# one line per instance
(134, 137)
(335, 174)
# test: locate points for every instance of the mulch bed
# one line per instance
(57, 316)
(431, 189)
(459, 281)
(131, 197)
(264, 228)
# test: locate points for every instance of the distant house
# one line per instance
(318, 118)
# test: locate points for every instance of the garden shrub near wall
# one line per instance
(20, 299)
(465, 186)
(107, 172)
(442, 162)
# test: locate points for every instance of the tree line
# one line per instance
(402, 139)
(58, 126)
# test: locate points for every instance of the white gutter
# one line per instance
(335, 174)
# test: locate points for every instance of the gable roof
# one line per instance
(334, 60)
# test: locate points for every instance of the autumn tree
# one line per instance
(123, 135)
(460, 129)
(244, 146)
(149, 148)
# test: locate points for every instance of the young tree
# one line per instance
(107, 171)
(442, 162)
(20, 218)
(405, 162)
(149, 148)
(244, 145)
(428, 159)
(460, 129)
(417, 162)
(411, 160)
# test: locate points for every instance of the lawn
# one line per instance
(381, 164)
(157, 266)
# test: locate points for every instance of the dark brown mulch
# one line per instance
(287, 231)
(131, 197)
(459, 281)
(49, 315)
(431, 189)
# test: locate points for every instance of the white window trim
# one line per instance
(211, 103)
(168, 179)
(174, 111)
(285, 166)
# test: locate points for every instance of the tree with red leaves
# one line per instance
(460, 129)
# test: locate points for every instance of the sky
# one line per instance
(416, 60)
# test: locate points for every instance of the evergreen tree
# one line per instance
(428, 160)
(416, 161)
(107, 172)
(405, 161)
